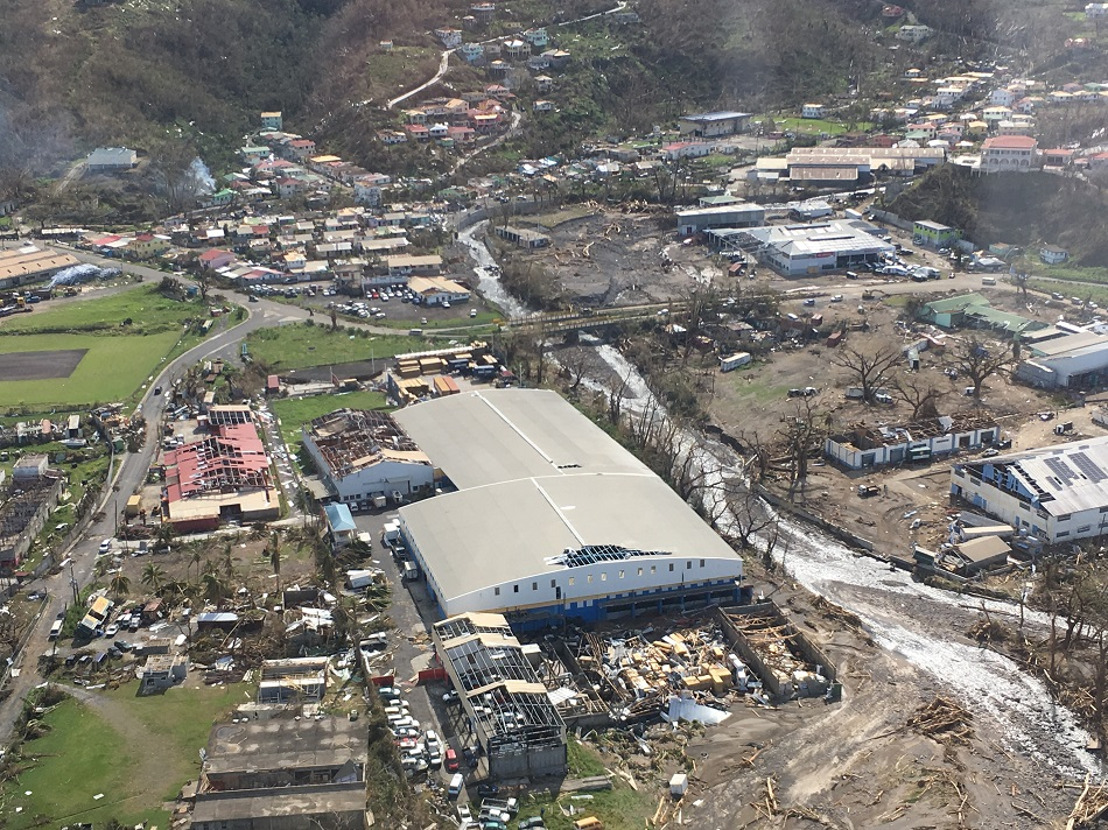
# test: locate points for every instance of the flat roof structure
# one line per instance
(550, 512)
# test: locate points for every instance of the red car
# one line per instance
(451, 760)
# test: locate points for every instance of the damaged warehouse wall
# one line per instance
(789, 664)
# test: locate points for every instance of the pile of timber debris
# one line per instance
(943, 720)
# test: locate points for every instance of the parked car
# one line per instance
(533, 823)
(451, 760)
(111, 630)
(106, 546)
(486, 790)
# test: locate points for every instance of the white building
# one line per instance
(1096, 11)
(812, 111)
(437, 291)
(362, 454)
(1063, 357)
(105, 159)
(1003, 97)
(1056, 494)
(809, 249)
(552, 518)
(1009, 153)
(864, 447)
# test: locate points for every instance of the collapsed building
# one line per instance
(34, 492)
(516, 723)
(863, 446)
(362, 455)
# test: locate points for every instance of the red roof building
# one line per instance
(226, 475)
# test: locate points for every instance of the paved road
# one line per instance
(444, 65)
(130, 472)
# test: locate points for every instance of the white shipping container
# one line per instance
(734, 361)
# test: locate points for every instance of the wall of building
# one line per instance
(849, 456)
(594, 592)
(377, 479)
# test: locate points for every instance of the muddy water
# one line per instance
(488, 280)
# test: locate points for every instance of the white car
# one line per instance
(838, 298)
(106, 546)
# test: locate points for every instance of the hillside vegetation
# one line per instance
(1020, 209)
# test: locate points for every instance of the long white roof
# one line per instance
(536, 478)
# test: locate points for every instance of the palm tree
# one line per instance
(215, 588)
(196, 558)
(153, 577)
(120, 584)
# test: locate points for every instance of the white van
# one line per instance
(457, 784)
(988, 280)
(56, 629)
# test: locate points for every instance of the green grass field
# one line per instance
(295, 412)
(84, 755)
(149, 312)
(302, 346)
(111, 371)
(119, 358)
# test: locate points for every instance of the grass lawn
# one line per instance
(301, 346)
(1074, 273)
(148, 310)
(620, 808)
(485, 317)
(812, 125)
(1097, 293)
(112, 370)
(137, 751)
(295, 412)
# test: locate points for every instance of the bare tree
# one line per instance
(801, 436)
(978, 361)
(920, 394)
(869, 369)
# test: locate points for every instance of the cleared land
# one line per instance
(136, 751)
(40, 365)
(302, 346)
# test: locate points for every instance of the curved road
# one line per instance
(130, 473)
(444, 65)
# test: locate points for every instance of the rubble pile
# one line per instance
(774, 641)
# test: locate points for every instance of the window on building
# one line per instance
(589, 578)
(622, 574)
(496, 591)
(688, 565)
(515, 589)
(653, 569)
(1065, 517)
(534, 586)
(1062, 533)
(702, 563)
(640, 572)
(571, 581)
(553, 583)
(1084, 529)
(671, 567)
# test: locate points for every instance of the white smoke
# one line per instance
(205, 182)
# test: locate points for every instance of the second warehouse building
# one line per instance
(552, 518)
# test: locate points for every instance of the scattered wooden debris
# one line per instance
(1090, 806)
(943, 720)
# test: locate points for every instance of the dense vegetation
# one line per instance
(1020, 209)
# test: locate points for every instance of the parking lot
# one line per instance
(413, 613)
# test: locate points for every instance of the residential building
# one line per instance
(516, 49)
(543, 83)
(1054, 494)
(1003, 97)
(933, 235)
(913, 33)
(538, 38)
(110, 159)
(714, 124)
(148, 245)
(272, 122)
(1009, 153)
(341, 528)
(432, 291)
(451, 38)
(280, 772)
(686, 150)
(360, 454)
(542, 105)
(813, 111)
(1096, 11)
(162, 672)
(551, 517)
(864, 447)
(974, 311)
(482, 656)
(1053, 255)
(472, 52)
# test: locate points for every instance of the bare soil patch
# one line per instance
(40, 365)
